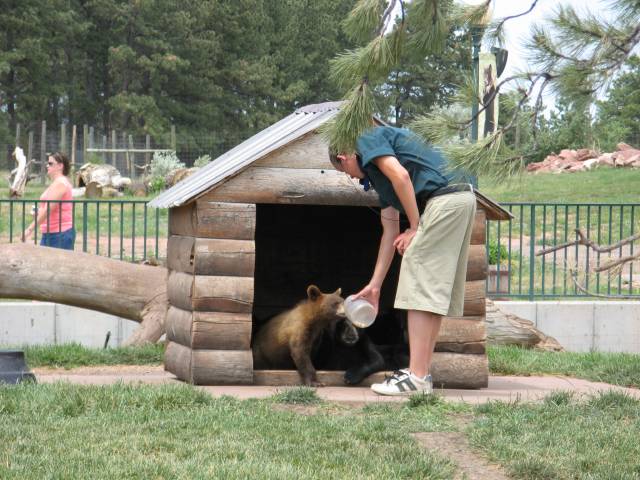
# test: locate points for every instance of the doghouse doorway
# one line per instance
(328, 246)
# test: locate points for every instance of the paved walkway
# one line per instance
(500, 388)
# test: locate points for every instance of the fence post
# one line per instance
(63, 137)
(43, 152)
(17, 135)
(105, 156)
(114, 143)
(91, 142)
(74, 138)
(85, 142)
(147, 146)
(132, 158)
(126, 155)
(173, 138)
(532, 252)
(30, 147)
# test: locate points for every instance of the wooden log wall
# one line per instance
(211, 259)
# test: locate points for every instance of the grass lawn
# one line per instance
(179, 431)
(169, 432)
(563, 437)
(604, 185)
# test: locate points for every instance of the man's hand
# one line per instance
(371, 294)
(402, 241)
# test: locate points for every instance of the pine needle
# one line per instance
(431, 28)
(363, 20)
(355, 116)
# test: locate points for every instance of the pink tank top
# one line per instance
(59, 221)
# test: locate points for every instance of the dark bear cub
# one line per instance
(346, 347)
(289, 339)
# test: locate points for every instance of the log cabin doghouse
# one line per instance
(251, 230)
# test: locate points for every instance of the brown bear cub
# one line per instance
(288, 339)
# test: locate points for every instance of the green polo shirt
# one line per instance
(426, 165)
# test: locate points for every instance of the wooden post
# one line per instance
(126, 155)
(91, 139)
(63, 137)
(105, 156)
(74, 138)
(147, 156)
(114, 145)
(173, 138)
(132, 158)
(43, 152)
(30, 148)
(85, 142)
(17, 135)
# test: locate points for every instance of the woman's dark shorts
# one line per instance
(63, 240)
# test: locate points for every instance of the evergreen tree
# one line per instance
(618, 117)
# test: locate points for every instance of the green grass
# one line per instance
(297, 396)
(74, 355)
(122, 431)
(604, 185)
(563, 437)
(615, 368)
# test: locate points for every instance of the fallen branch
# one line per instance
(584, 240)
(135, 292)
(574, 278)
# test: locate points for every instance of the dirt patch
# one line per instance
(455, 447)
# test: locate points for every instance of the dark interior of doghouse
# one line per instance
(328, 246)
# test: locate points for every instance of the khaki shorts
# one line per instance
(434, 267)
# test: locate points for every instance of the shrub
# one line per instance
(162, 164)
(202, 161)
(497, 253)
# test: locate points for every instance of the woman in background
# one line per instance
(56, 220)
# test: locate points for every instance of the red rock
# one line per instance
(567, 154)
(585, 154)
(624, 146)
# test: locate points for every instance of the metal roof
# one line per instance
(300, 122)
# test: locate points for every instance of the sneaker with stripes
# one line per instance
(403, 382)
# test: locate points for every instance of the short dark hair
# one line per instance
(64, 160)
(333, 158)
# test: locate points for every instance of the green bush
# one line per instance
(497, 253)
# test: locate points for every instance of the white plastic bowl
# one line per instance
(359, 312)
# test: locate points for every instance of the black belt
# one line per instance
(454, 188)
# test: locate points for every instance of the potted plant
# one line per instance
(498, 269)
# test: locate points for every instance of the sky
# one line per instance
(517, 30)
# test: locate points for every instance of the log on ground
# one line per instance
(135, 292)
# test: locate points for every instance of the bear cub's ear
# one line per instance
(338, 292)
(313, 292)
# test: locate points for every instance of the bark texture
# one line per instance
(507, 329)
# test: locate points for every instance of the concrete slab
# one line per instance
(526, 310)
(27, 323)
(617, 327)
(501, 388)
(571, 323)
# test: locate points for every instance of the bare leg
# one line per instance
(423, 331)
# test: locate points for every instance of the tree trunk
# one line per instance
(507, 329)
(136, 292)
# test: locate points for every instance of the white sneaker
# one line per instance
(403, 382)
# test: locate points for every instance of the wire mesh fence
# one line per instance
(130, 154)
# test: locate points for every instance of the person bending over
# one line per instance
(410, 177)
